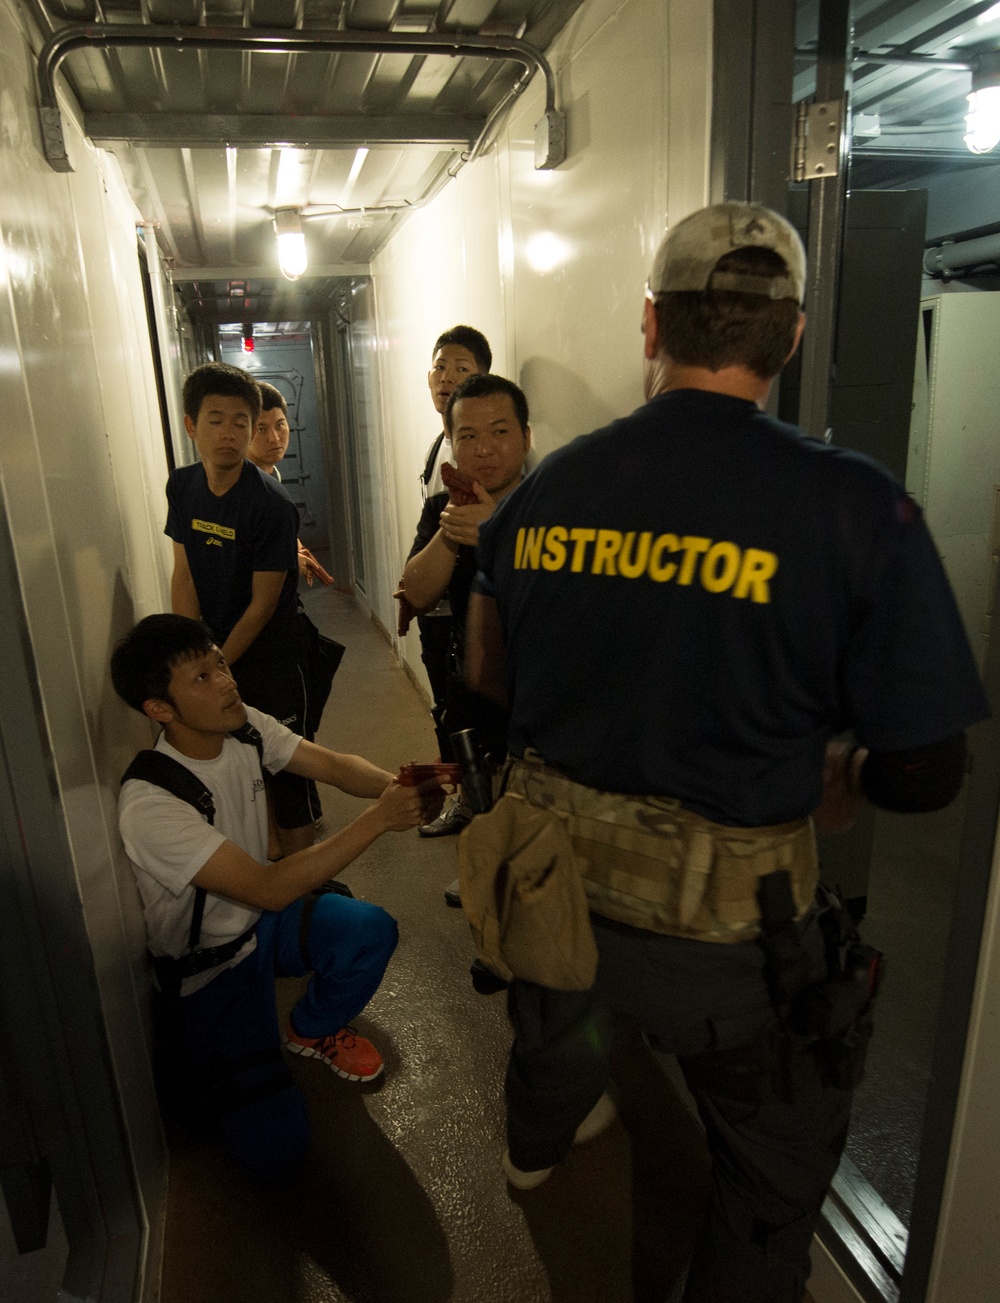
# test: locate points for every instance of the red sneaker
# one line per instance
(347, 1053)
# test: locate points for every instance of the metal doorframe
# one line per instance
(753, 53)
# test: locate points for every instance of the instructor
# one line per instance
(693, 602)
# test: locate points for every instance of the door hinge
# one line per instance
(816, 142)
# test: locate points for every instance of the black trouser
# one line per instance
(775, 1129)
(280, 687)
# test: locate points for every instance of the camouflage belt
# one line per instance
(653, 864)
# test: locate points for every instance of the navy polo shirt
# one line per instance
(696, 598)
(254, 526)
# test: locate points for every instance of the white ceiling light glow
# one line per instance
(292, 257)
(982, 122)
(355, 172)
(545, 251)
(289, 182)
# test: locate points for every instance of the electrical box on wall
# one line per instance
(953, 466)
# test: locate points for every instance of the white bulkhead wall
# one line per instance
(82, 469)
(550, 265)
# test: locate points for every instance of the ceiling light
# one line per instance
(982, 122)
(292, 258)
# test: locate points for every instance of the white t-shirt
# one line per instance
(168, 841)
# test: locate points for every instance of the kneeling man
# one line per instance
(222, 921)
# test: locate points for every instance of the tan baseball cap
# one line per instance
(688, 255)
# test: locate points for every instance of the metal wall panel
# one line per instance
(79, 394)
(961, 459)
(551, 265)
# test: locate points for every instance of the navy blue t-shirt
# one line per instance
(697, 597)
(252, 527)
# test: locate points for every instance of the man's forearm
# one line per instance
(428, 574)
(295, 875)
(246, 629)
(351, 774)
(183, 596)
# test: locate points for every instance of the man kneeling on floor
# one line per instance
(222, 921)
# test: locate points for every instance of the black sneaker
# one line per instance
(484, 980)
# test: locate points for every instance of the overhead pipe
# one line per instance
(946, 259)
(550, 131)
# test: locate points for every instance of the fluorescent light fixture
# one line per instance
(982, 122)
(292, 258)
(989, 16)
(352, 176)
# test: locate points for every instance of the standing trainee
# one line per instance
(235, 536)
(694, 601)
(458, 353)
(487, 421)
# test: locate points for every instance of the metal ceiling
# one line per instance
(239, 299)
(212, 140)
(920, 107)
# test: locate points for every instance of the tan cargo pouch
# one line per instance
(522, 892)
(648, 862)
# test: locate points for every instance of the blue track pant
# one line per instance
(231, 1025)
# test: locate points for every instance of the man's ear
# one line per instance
(189, 425)
(800, 327)
(527, 438)
(158, 710)
(650, 330)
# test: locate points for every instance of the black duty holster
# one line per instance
(831, 1018)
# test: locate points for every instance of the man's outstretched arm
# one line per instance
(234, 873)
(352, 774)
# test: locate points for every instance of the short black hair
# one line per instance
(270, 397)
(719, 328)
(220, 378)
(468, 337)
(482, 386)
(143, 661)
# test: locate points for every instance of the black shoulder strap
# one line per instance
(166, 772)
(428, 471)
(251, 736)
